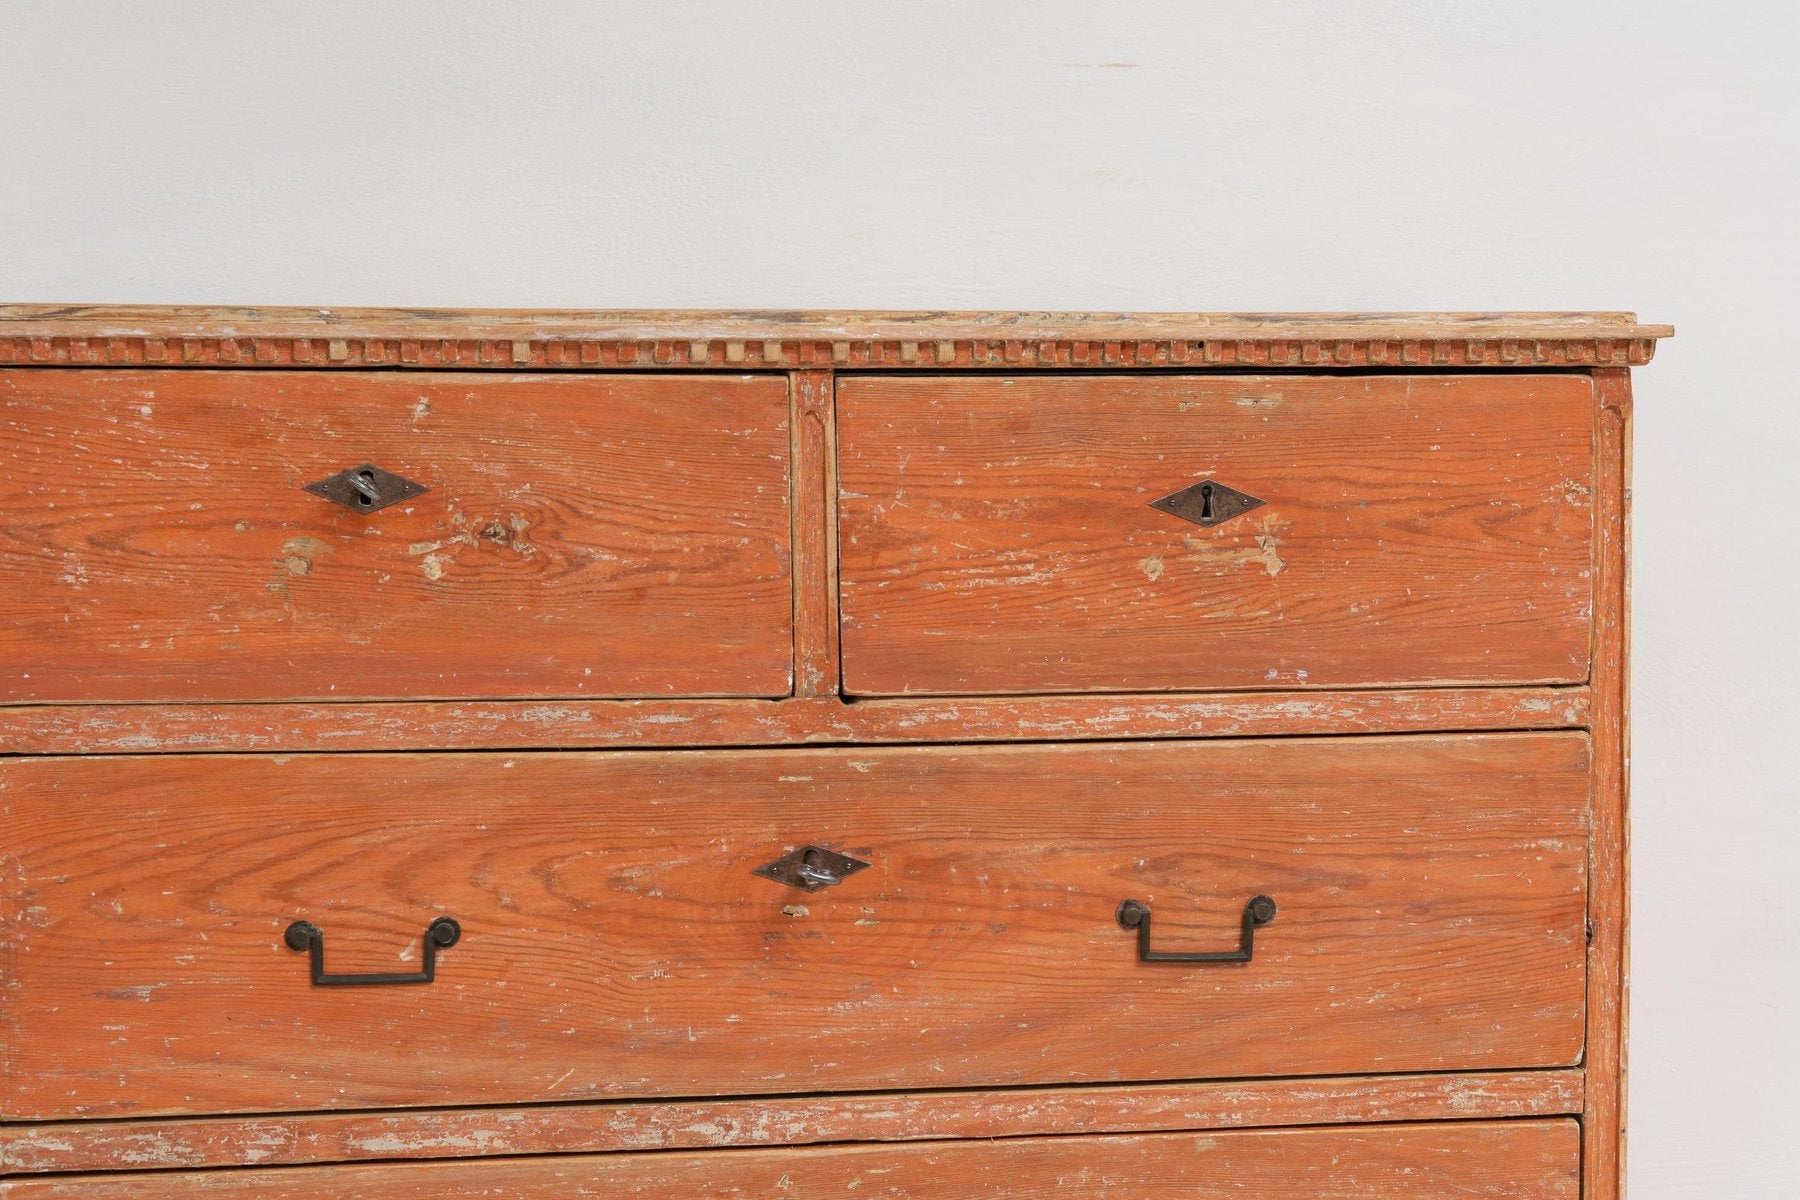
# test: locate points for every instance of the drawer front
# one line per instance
(1521, 1160)
(998, 535)
(581, 536)
(616, 941)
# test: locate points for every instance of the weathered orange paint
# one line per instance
(1520, 1160)
(616, 942)
(701, 494)
(997, 536)
(583, 536)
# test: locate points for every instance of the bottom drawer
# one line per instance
(1518, 1160)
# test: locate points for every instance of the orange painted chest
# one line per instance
(531, 754)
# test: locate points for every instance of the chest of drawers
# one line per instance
(536, 754)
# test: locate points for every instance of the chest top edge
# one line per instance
(209, 336)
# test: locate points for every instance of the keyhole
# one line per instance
(1206, 508)
(812, 866)
(366, 498)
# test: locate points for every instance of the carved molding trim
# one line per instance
(790, 354)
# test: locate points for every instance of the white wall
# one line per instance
(1085, 156)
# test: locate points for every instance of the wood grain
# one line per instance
(789, 1120)
(582, 537)
(815, 536)
(1432, 896)
(610, 724)
(996, 534)
(1517, 1160)
(1448, 554)
(657, 325)
(1603, 1159)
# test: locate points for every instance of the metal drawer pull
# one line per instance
(304, 935)
(1259, 911)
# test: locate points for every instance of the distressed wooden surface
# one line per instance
(623, 724)
(582, 537)
(679, 324)
(89, 335)
(1511, 1160)
(217, 826)
(1603, 1160)
(797, 1120)
(815, 536)
(1432, 895)
(996, 534)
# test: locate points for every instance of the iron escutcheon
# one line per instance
(367, 488)
(1207, 503)
(811, 868)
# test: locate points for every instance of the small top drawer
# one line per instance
(580, 536)
(999, 535)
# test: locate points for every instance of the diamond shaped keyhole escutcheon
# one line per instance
(1208, 503)
(810, 868)
(366, 489)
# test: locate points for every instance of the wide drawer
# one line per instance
(1429, 898)
(1518, 1160)
(581, 536)
(998, 534)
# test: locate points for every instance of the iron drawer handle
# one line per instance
(1259, 911)
(304, 935)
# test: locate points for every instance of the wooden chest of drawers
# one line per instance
(923, 755)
